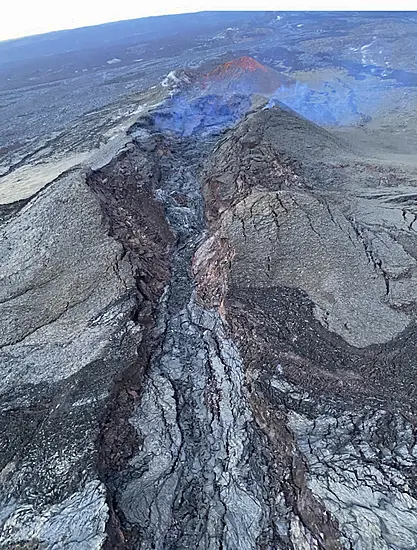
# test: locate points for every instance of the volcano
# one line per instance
(243, 75)
(208, 301)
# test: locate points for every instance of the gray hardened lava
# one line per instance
(333, 391)
(207, 339)
(247, 381)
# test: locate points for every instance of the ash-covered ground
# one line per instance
(208, 294)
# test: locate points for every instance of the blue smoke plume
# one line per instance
(201, 115)
(327, 106)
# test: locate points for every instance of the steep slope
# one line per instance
(302, 187)
(82, 268)
(309, 280)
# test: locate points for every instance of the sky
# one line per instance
(25, 17)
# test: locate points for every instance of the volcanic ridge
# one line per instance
(207, 329)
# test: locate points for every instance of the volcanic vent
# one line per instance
(207, 101)
(243, 75)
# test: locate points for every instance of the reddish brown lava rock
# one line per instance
(245, 75)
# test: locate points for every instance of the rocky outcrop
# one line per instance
(312, 298)
(293, 223)
(83, 265)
